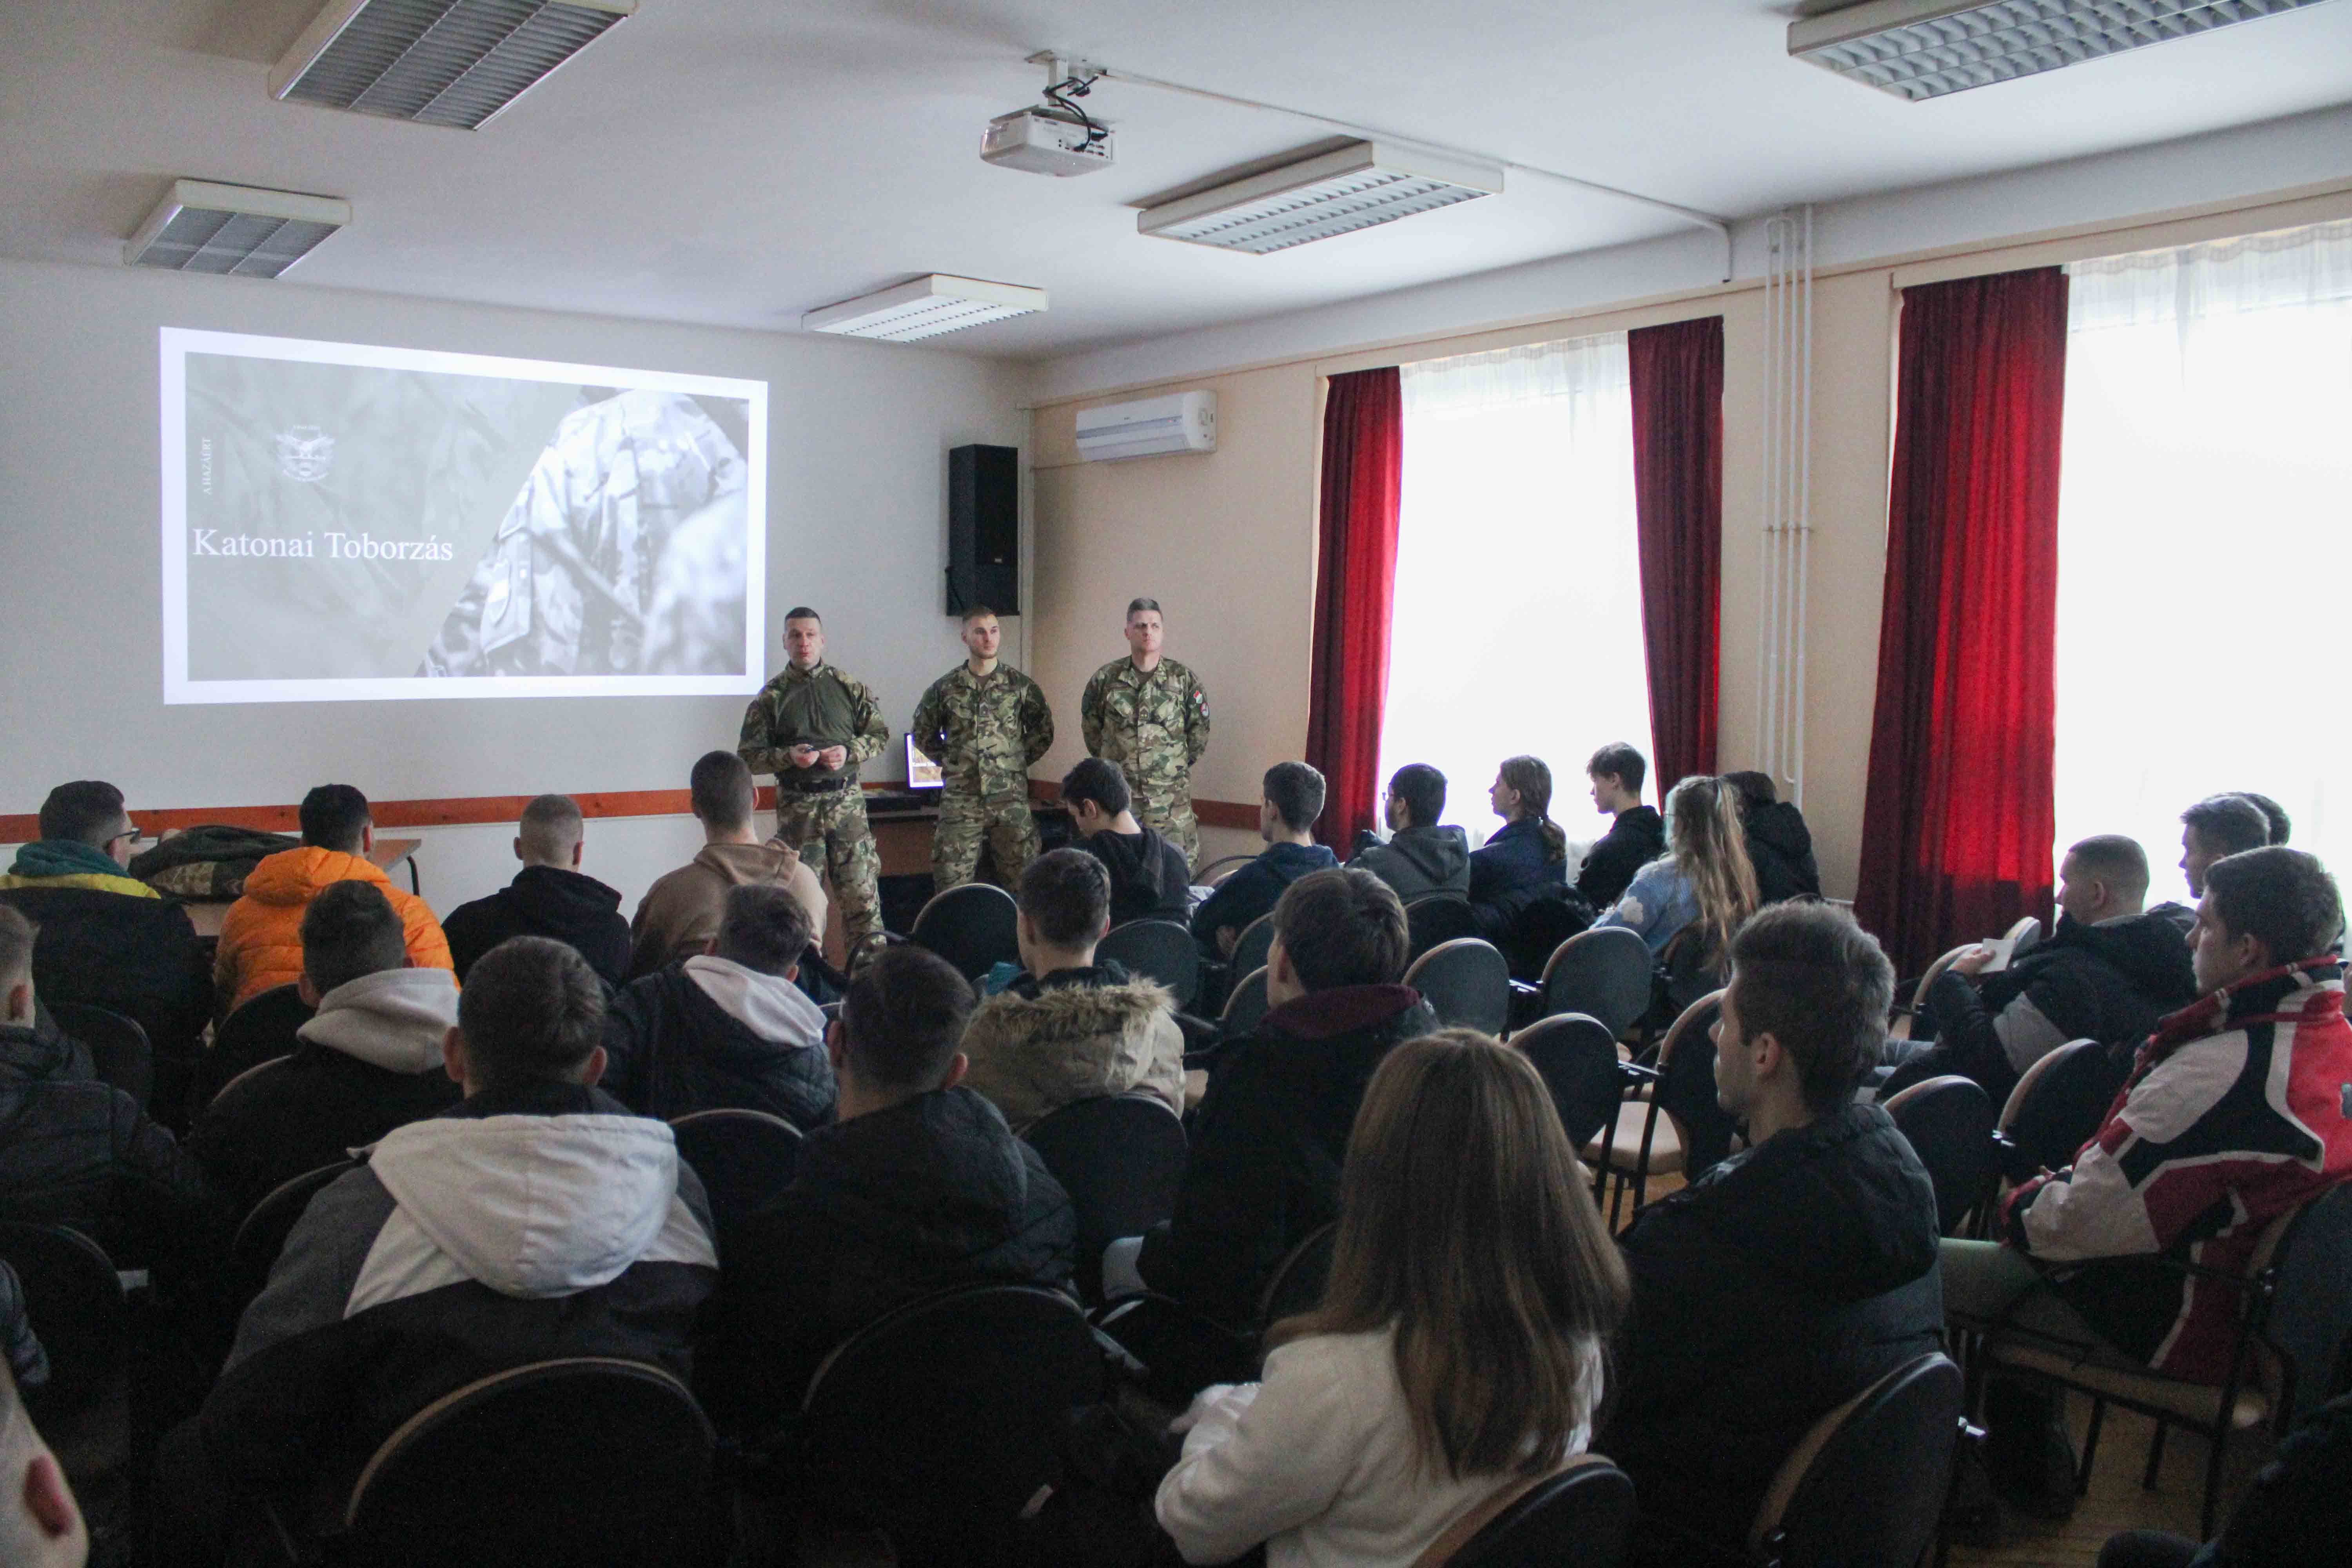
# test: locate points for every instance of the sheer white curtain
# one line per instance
(2205, 541)
(1518, 592)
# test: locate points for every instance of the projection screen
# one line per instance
(345, 521)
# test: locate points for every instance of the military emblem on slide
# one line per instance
(305, 453)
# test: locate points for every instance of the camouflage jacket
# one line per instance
(1154, 726)
(984, 732)
(820, 707)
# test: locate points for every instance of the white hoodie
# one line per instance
(770, 1006)
(394, 1018)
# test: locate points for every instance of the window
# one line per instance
(1517, 618)
(2205, 541)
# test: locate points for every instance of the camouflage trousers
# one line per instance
(1168, 813)
(1003, 821)
(835, 822)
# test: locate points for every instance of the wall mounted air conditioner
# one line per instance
(1183, 422)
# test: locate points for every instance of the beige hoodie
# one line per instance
(679, 913)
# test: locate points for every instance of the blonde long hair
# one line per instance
(1707, 842)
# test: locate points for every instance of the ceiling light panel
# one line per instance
(1359, 186)
(437, 62)
(1919, 49)
(233, 230)
(927, 308)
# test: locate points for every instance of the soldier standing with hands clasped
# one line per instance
(1149, 715)
(985, 723)
(810, 727)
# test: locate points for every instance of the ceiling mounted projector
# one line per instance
(233, 230)
(1920, 50)
(1358, 186)
(925, 309)
(1058, 136)
(437, 62)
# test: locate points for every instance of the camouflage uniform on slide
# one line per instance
(819, 806)
(1154, 727)
(985, 732)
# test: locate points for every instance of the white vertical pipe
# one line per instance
(1804, 438)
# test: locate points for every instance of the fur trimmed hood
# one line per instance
(1032, 1054)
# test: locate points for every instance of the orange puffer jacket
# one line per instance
(261, 937)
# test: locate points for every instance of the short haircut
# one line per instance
(348, 930)
(1620, 762)
(1297, 791)
(803, 613)
(334, 817)
(531, 1012)
(2115, 857)
(1755, 789)
(551, 826)
(762, 926)
(2282, 824)
(17, 936)
(2284, 897)
(1066, 893)
(87, 811)
(1342, 927)
(721, 789)
(1423, 790)
(1808, 976)
(1137, 607)
(903, 1018)
(979, 613)
(1099, 781)
(2228, 824)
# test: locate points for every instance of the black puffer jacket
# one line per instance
(1635, 838)
(1781, 847)
(1770, 1290)
(674, 1050)
(140, 957)
(545, 900)
(313, 1110)
(1149, 878)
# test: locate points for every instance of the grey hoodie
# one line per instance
(394, 1018)
(1418, 861)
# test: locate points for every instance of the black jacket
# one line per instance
(1637, 837)
(1149, 877)
(1267, 1144)
(139, 957)
(545, 900)
(1781, 847)
(1254, 889)
(671, 1049)
(313, 1110)
(887, 1208)
(1770, 1290)
(1421, 860)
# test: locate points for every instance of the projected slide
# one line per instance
(343, 522)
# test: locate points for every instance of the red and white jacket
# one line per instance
(2239, 1108)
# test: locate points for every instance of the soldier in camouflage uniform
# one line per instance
(1149, 715)
(985, 724)
(810, 727)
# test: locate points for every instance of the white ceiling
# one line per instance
(738, 162)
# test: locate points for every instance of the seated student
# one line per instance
(549, 897)
(2281, 826)
(1422, 854)
(536, 1219)
(1286, 820)
(1637, 833)
(2109, 972)
(2217, 825)
(1793, 1275)
(1269, 1137)
(368, 1062)
(41, 1525)
(1457, 1355)
(726, 1029)
(918, 1187)
(1149, 877)
(1704, 880)
(1067, 1028)
(1528, 851)
(1779, 844)
(2235, 1113)
(679, 913)
(261, 938)
(108, 939)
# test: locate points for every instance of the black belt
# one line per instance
(825, 786)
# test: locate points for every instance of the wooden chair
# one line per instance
(1436, 918)
(273, 1064)
(1900, 1028)
(261, 1235)
(2060, 1100)
(1950, 1123)
(75, 1298)
(1867, 1483)
(1297, 1282)
(1466, 983)
(1216, 871)
(2024, 934)
(1659, 1133)
(1578, 1059)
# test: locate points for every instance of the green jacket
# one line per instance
(984, 732)
(1155, 726)
(820, 707)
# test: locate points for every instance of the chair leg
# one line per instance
(2090, 1447)
(2155, 1457)
(2220, 1438)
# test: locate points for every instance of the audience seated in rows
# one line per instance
(1528, 855)
(1457, 1355)
(1421, 855)
(918, 1187)
(261, 940)
(2235, 1113)
(1067, 1028)
(535, 1219)
(680, 912)
(549, 897)
(1270, 1136)
(1791, 1276)
(1637, 833)
(108, 939)
(1292, 798)
(40, 1524)
(1149, 877)
(370, 1060)
(1704, 878)
(730, 1028)
(1779, 844)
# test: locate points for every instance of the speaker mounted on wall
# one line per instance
(985, 529)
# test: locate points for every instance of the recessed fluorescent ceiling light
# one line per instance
(1358, 186)
(1925, 48)
(925, 309)
(439, 62)
(234, 229)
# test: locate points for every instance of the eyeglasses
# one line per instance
(131, 833)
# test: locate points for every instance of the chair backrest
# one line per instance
(1466, 983)
(1157, 950)
(1866, 1484)
(1689, 969)
(1297, 1282)
(261, 1235)
(1936, 971)
(1251, 948)
(590, 1461)
(1686, 1087)
(1530, 934)
(2032, 1076)
(2024, 934)
(744, 1159)
(2310, 1315)
(1604, 973)
(117, 1045)
(1580, 1517)
(1122, 1159)
(261, 1030)
(1217, 870)
(2067, 1102)
(1949, 1122)
(1435, 918)
(258, 1069)
(74, 1297)
(1246, 1005)
(1578, 1058)
(974, 926)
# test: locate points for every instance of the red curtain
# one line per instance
(1957, 823)
(1678, 508)
(1355, 584)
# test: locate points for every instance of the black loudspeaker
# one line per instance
(985, 529)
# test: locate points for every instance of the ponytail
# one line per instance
(1532, 779)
